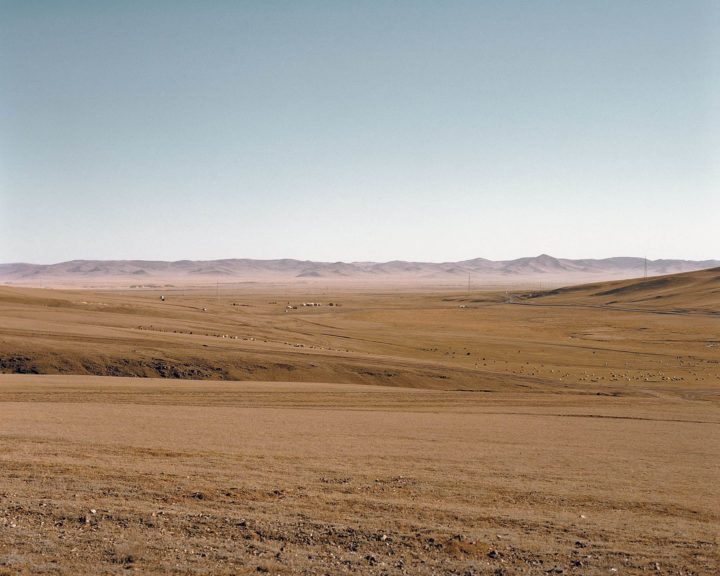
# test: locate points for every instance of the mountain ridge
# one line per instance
(541, 266)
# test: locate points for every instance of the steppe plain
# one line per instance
(399, 431)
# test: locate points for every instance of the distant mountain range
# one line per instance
(541, 268)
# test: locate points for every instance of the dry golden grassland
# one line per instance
(401, 432)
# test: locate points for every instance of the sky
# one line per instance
(366, 130)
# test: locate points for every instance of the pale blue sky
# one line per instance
(366, 130)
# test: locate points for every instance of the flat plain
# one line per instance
(575, 431)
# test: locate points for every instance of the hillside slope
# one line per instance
(697, 291)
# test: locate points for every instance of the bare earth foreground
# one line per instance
(573, 432)
(101, 475)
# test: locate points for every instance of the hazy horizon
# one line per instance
(351, 262)
(325, 131)
(423, 261)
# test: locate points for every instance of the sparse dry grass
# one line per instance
(495, 439)
(303, 478)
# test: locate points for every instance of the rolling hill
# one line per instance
(544, 269)
(688, 292)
